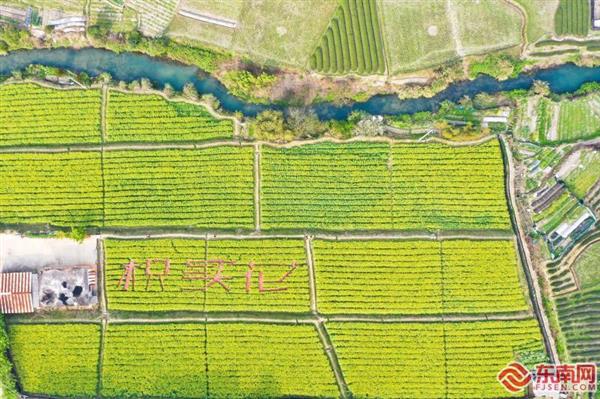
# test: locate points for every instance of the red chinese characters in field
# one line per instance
(211, 274)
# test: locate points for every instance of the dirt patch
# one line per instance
(34, 254)
(432, 30)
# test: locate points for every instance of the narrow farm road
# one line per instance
(530, 273)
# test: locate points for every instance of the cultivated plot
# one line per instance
(36, 115)
(151, 118)
(56, 359)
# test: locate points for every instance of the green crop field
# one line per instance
(579, 118)
(578, 316)
(467, 356)
(56, 360)
(151, 118)
(154, 360)
(352, 41)
(540, 17)
(63, 189)
(74, 7)
(422, 43)
(586, 267)
(485, 26)
(417, 277)
(31, 114)
(587, 173)
(272, 259)
(572, 18)
(211, 188)
(267, 361)
(375, 186)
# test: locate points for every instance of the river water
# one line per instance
(133, 66)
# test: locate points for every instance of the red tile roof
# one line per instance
(15, 293)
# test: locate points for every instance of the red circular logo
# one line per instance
(514, 377)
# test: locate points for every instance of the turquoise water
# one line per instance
(133, 66)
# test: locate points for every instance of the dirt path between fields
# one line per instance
(530, 273)
(523, 14)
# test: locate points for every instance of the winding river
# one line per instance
(133, 66)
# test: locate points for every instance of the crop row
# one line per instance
(135, 118)
(445, 360)
(374, 186)
(234, 360)
(36, 115)
(356, 277)
(572, 17)
(31, 114)
(355, 186)
(352, 41)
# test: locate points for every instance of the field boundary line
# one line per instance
(475, 235)
(312, 280)
(535, 293)
(198, 145)
(101, 277)
(257, 187)
(524, 25)
(103, 328)
(334, 363)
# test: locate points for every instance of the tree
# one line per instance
(270, 126)
(305, 123)
(541, 88)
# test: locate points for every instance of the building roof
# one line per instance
(16, 294)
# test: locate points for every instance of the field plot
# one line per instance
(107, 12)
(579, 318)
(587, 173)
(267, 361)
(586, 267)
(572, 18)
(63, 189)
(440, 187)
(486, 25)
(31, 114)
(579, 119)
(417, 277)
(151, 118)
(209, 188)
(154, 15)
(540, 17)
(352, 42)
(189, 28)
(159, 360)
(378, 276)
(481, 276)
(266, 29)
(424, 42)
(474, 353)
(370, 186)
(57, 360)
(191, 286)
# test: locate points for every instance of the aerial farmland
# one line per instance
(299, 199)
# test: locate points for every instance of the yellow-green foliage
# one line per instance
(56, 359)
(210, 188)
(267, 361)
(417, 277)
(157, 360)
(374, 186)
(64, 189)
(272, 257)
(433, 360)
(31, 114)
(151, 118)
